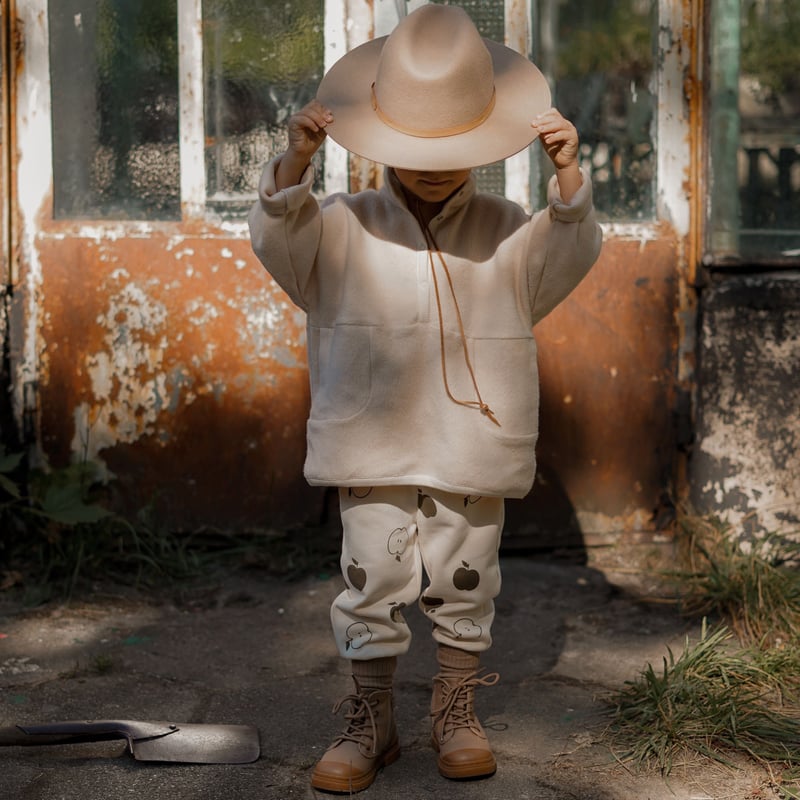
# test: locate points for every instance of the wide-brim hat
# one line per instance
(434, 95)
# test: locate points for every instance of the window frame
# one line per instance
(191, 116)
(676, 68)
(723, 224)
(521, 171)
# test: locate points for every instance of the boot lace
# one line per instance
(361, 724)
(457, 706)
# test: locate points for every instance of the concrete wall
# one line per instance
(745, 463)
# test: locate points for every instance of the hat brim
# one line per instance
(521, 90)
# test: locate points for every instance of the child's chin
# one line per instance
(433, 194)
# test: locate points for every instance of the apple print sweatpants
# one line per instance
(395, 537)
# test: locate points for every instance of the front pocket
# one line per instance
(342, 365)
(508, 377)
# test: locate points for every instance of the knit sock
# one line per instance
(454, 661)
(375, 673)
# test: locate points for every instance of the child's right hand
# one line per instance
(307, 129)
(306, 134)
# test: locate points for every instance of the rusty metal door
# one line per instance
(150, 346)
(8, 431)
(616, 358)
(158, 348)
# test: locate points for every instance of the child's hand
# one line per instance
(560, 141)
(307, 129)
(558, 136)
(306, 135)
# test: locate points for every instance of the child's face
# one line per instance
(432, 187)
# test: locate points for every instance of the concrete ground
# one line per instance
(257, 650)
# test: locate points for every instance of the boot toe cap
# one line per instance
(336, 776)
(467, 763)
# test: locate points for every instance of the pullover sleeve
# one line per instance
(565, 242)
(285, 229)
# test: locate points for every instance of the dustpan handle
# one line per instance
(74, 731)
(15, 736)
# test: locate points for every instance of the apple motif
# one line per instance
(357, 576)
(425, 504)
(465, 628)
(430, 604)
(396, 613)
(465, 578)
(471, 499)
(358, 634)
(397, 543)
(359, 491)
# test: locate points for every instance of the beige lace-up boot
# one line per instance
(457, 735)
(369, 741)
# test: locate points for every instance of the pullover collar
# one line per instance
(393, 187)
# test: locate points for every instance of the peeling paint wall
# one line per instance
(608, 426)
(166, 354)
(6, 416)
(177, 365)
(746, 460)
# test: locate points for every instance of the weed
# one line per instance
(713, 700)
(752, 585)
(58, 537)
(737, 690)
(102, 664)
(58, 534)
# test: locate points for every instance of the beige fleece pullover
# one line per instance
(358, 265)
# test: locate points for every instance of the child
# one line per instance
(420, 299)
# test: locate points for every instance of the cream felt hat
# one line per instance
(434, 95)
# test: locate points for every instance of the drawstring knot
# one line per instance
(487, 412)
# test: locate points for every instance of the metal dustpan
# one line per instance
(187, 743)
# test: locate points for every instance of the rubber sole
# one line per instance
(348, 784)
(467, 772)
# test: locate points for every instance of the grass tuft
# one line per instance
(737, 690)
(59, 540)
(713, 700)
(753, 585)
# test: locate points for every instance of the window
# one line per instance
(489, 19)
(599, 56)
(126, 99)
(754, 114)
(114, 78)
(262, 61)
(115, 100)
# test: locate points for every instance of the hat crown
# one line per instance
(435, 73)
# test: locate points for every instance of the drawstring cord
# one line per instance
(433, 247)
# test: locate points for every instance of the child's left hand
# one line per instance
(560, 141)
(558, 136)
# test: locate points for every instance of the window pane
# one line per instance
(598, 55)
(263, 60)
(489, 19)
(755, 136)
(114, 78)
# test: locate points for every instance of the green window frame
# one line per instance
(753, 109)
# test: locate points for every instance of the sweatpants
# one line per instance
(396, 536)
